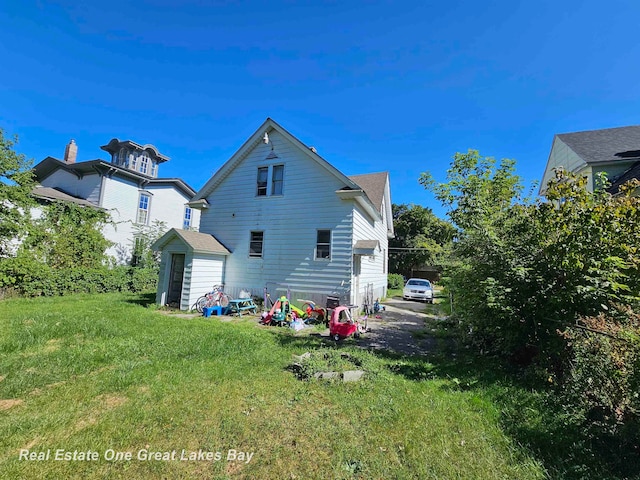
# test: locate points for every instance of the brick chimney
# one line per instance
(71, 152)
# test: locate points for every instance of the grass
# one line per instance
(107, 374)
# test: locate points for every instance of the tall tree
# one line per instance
(420, 238)
(16, 183)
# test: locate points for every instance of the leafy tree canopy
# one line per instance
(67, 235)
(420, 238)
(16, 183)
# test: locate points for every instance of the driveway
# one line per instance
(395, 329)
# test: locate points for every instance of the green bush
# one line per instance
(602, 381)
(395, 281)
(31, 278)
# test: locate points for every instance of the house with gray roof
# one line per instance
(614, 151)
(277, 215)
(127, 186)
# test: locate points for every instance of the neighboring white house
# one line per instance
(277, 215)
(127, 186)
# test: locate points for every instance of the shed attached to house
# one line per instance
(191, 264)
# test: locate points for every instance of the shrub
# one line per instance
(31, 278)
(395, 281)
(602, 383)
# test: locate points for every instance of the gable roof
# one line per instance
(373, 185)
(195, 241)
(605, 145)
(49, 165)
(350, 190)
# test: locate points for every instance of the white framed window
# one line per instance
(154, 168)
(144, 163)
(277, 179)
(144, 203)
(263, 174)
(186, 222)
(323, 245)
(256, 244)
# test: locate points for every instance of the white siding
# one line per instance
(87, 187)
(120, 198)
(201, 272)
(289, 222)
(204, 272)
(372, 269)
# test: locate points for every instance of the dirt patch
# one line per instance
(394, 329)
(2, 377)
(8, 403)
(52, 345)
(106, 402)
(111, 401)
(31, 444)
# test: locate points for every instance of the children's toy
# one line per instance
(313, 313)
(342, 324)
(280, 313)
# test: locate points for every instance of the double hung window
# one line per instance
(256, 244)
(143, 209)
(323, 245)
(273, 175)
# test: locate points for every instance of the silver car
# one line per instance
(418, 289)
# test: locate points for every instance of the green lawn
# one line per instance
(107, 374)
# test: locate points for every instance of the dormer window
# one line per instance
(144, 159)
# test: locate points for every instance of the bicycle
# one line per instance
(216, 297)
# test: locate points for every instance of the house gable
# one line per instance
(265, 135)
(611, 150)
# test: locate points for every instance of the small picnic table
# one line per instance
(242, 305)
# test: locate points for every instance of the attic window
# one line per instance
(263, 174)
(277, 179)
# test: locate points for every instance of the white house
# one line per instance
(278, 216)
(127, 186)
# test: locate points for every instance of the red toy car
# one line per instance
(342, 324)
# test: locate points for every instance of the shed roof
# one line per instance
(196, 241)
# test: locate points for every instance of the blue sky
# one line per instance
(397, 86)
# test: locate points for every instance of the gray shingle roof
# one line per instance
(606, 145)
(373, 185)
(202, 242)
(196, 241)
